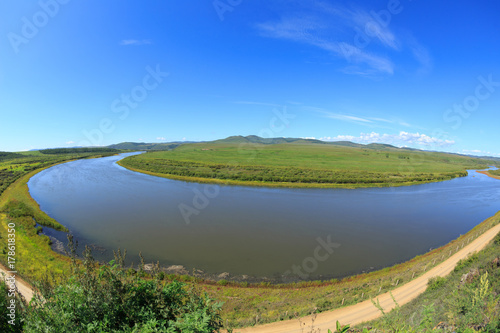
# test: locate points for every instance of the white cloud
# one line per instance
(347, 118)
(352, 34)
(160, 138)
(370, 27)
(308, 30)
(477, 152)
(127, 42)
(400, 139)
(361, 120)
(70, 142)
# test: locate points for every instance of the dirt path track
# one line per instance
(23, 287)
(366, 311)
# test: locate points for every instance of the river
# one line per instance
(260, 232)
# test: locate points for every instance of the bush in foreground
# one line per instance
(107, 299)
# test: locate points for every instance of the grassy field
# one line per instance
(495, 172)
(302, 165)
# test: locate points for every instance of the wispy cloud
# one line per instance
(70, 142)
(160, 138)
(361, 120)
(128, 42)
(401, 139)
(420, 53)
(351, 34)
(347, 118)
(365, 23)
(309, 31)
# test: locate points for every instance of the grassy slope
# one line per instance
(392, 166)
(34, 256)
(449, 300)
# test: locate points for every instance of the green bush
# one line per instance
(466, 262)
(17, 209)
(107, 299)
(436, 282)
(222, 282)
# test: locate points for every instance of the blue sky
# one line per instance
(411, 73)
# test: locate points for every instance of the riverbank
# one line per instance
(366, 311)
(34, 257)
(489, 174)
(243, 305)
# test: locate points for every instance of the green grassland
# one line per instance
(303, 164)
(495, 172)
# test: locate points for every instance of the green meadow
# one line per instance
(495, 172)
(303, 164)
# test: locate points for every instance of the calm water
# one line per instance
(260, 232)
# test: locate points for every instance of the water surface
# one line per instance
(261, 232)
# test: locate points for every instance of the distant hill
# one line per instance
(380, 146)
(147, 146)
(8, 155)
(344, 144)
(272, 141)
(237, 139)
(264, 141)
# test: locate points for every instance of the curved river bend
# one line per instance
(260, 232)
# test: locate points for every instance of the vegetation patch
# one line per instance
(494, 172)
(302, 165)
(107, 299)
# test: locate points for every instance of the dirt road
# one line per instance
(22, 287)
(365, 311)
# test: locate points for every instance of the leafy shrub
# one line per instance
(17, 209)
(435, 283)
(222, 282)
(466, 262)
(107, 299)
